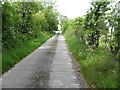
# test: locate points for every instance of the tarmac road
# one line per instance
(49, 66)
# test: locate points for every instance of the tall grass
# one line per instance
(98, 67)
(12, 56)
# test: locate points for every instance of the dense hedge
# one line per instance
(94, 40)
(22, 21)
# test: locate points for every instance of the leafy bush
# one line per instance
(98, 67)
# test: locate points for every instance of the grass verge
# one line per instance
(98, 67)
(12, 56)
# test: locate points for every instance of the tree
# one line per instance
(95, 22)
(23, 21)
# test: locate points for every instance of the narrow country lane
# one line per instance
(49, 66)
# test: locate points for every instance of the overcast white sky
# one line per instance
(73, 8)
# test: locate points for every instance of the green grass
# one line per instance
(98, 67)
(12, 56)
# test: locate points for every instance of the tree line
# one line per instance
(99, 27)
(24, 21)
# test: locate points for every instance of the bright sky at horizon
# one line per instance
(73, 8)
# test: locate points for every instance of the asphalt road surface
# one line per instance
(49, 66)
